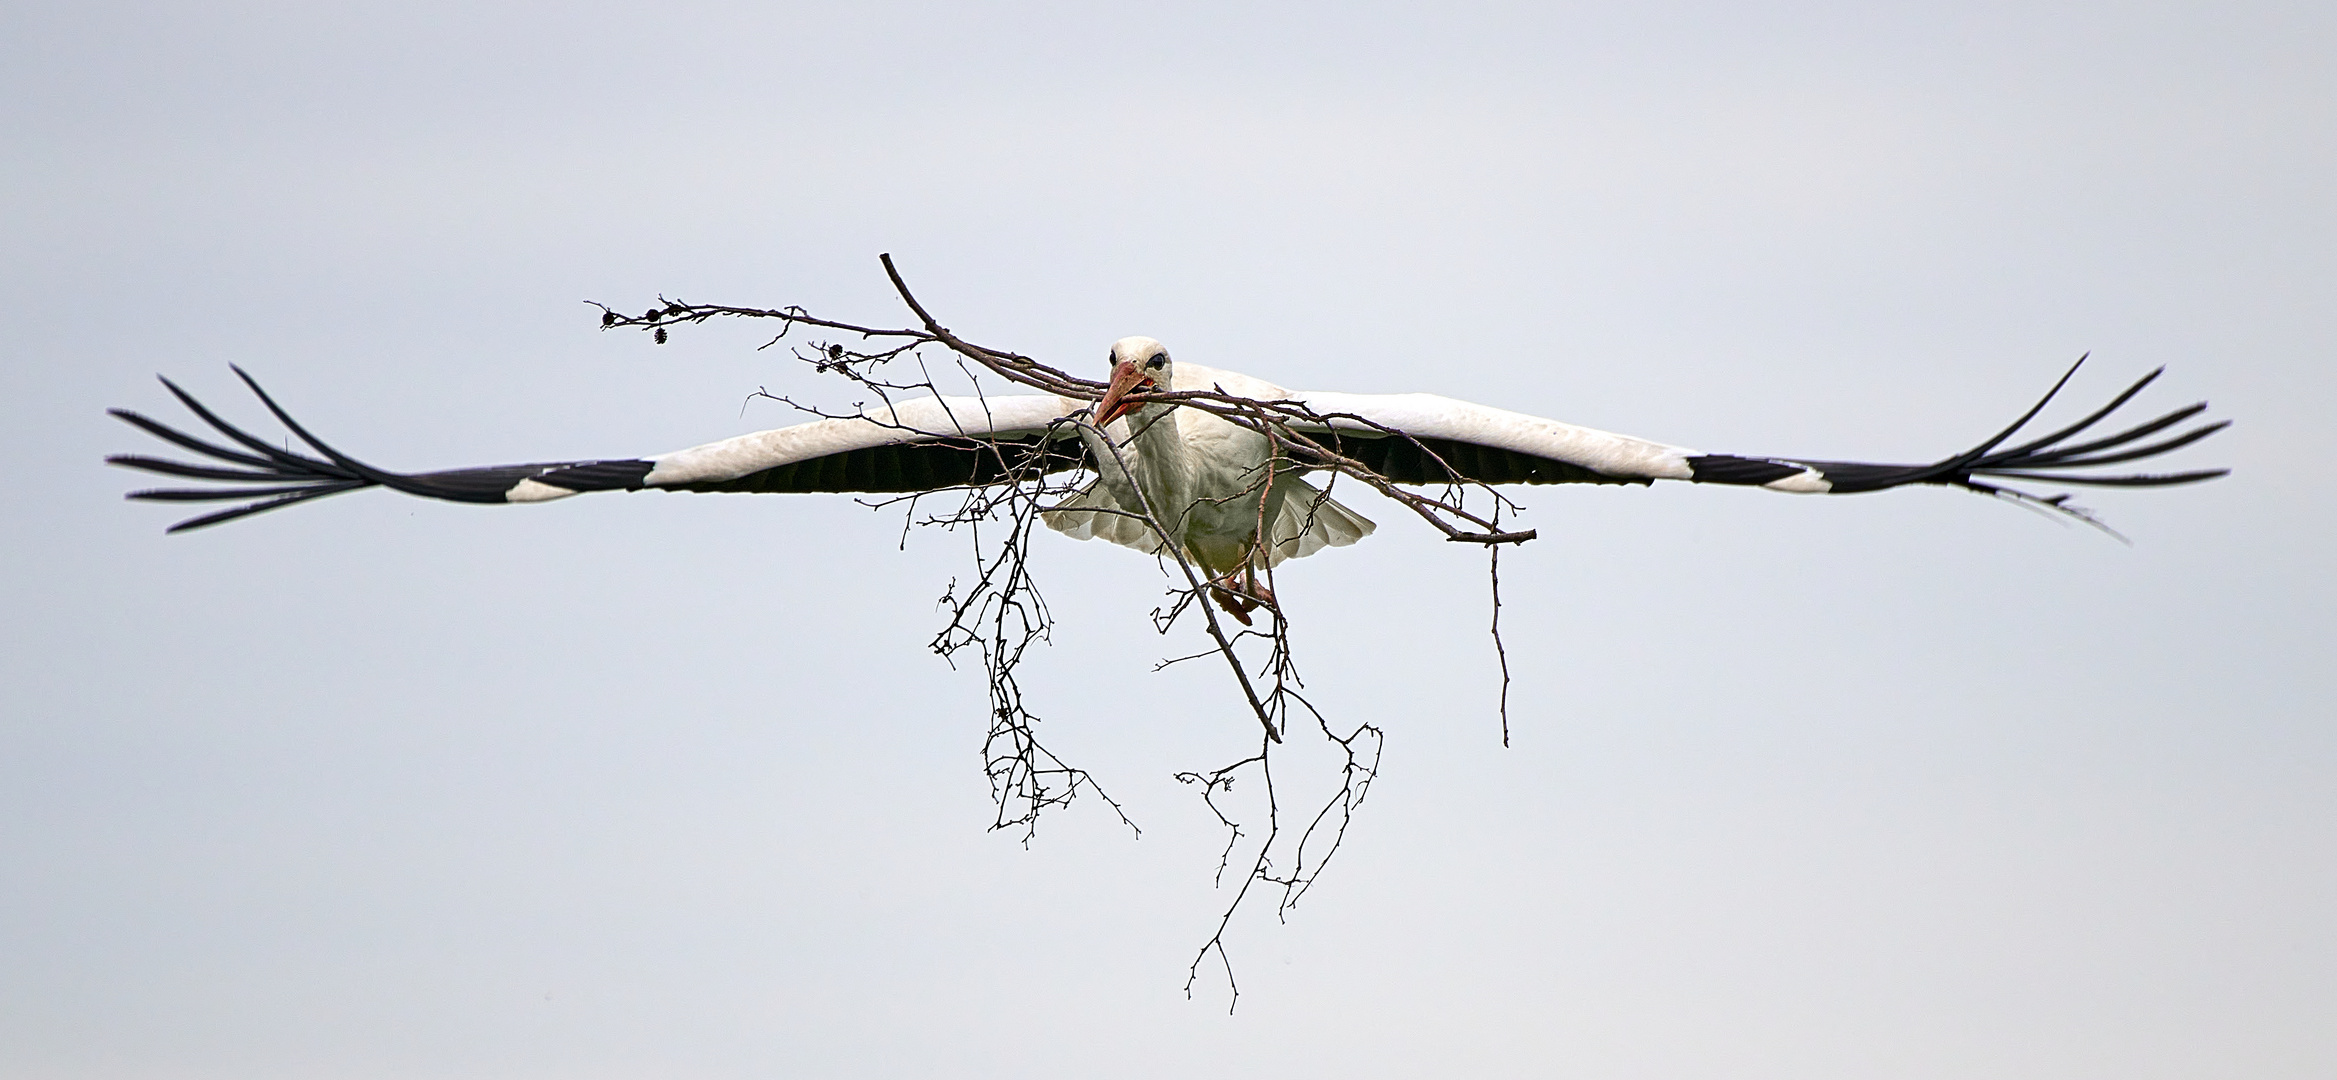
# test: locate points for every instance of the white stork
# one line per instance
(1220, 489)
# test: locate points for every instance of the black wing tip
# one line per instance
(2043, 459)
(290, 477)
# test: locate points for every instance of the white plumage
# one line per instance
(1219, 490)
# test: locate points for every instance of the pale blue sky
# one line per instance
(1903, 785)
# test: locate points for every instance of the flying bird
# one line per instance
(1232, 499)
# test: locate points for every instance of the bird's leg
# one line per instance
(1255, 588)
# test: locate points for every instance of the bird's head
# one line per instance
(1139, 365)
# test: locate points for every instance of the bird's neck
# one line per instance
(1154, 428)
(1162, 465)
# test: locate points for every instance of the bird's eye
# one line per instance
(1158, 361)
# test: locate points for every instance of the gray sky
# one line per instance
(1910, 784)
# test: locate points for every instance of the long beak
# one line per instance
(1127, 379)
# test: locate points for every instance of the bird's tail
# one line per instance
(1307, 522)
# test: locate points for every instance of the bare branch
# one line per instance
(1500, 651)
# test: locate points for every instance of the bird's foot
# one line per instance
(1234, 603)
(1240, 594)
(1258, 591)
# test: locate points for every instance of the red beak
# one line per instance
(1127, 379)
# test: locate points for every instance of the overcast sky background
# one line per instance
(1910, 784)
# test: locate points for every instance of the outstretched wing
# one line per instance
(1426, 439)
(922, 445)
